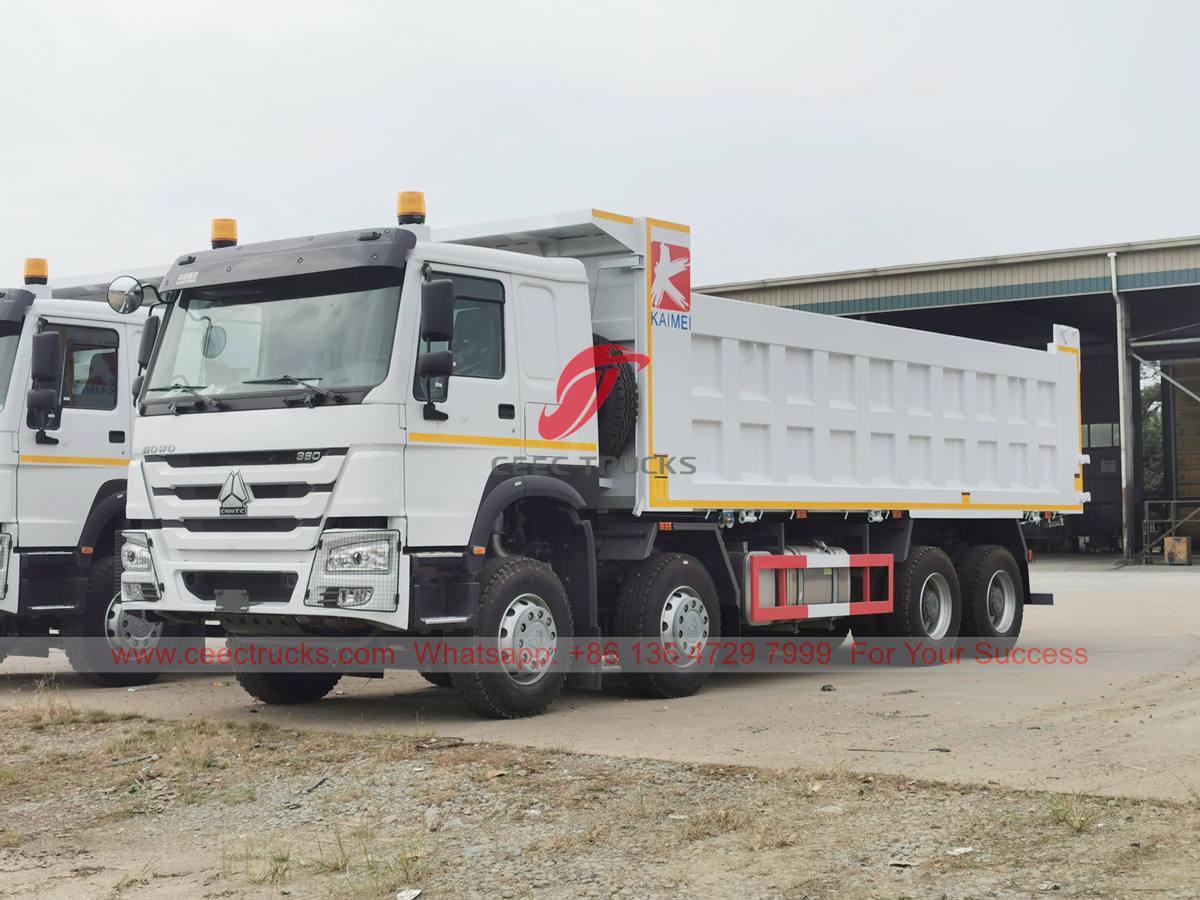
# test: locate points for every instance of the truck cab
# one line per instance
(67, 363)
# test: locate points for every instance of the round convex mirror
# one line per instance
(125, 294)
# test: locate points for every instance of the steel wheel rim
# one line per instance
(126, 630)
(936, 606)
(1001, 601)
(527, 638)
(684, 624)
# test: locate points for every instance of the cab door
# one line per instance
(447, 462)
(85, 449)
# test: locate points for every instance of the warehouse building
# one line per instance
(1144, 297)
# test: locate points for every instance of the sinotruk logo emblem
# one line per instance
(235, 495)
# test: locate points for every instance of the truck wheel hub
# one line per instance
(128, 630)
(684, 623)
(937, 606)
(527, 638)
(1001, 601)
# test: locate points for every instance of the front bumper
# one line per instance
(283, 583)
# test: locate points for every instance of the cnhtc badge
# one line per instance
(235, 495)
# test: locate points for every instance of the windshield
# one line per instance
(334, 330)
(10, 336)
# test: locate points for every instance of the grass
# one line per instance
(1073, 811)
(48, 707)
(235, 796)
(716, 821)
(10, 837)
(278, 864)
(331, 857)
(358, 863)
(132, 880)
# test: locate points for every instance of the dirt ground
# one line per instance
(100, 805)
(1127, 724)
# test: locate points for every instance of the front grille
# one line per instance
(253, 587)
(247, 458)
(260, 491)
(240, 524)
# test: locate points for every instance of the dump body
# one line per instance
(750, 407)
(785, 409)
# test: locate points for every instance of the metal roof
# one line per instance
(1170, 262)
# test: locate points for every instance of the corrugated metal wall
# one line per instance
(1163, 264)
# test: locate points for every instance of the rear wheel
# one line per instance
(106, 628)
(927, 604)
(669, 604)
(522, 608)
(993, 601)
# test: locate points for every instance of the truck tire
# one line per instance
(992, 588)
(927, 602)
(103, 617)
(522, 607)
(437, 679)
(669, 594)
(287, 688)
(617, 417)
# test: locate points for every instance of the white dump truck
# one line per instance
(535, 431)
(67, 363)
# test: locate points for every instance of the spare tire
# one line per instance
(617, 416)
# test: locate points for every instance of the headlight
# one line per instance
(135, 553)
(356, 570)
(360, 556)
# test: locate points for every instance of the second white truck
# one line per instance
(535, 431)
(67, 364)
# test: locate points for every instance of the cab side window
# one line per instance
(478, 344)
(89, 375)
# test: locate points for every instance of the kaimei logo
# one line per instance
(584, 385)
(671, 281)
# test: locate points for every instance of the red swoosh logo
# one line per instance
(585, 383)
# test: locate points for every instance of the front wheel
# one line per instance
(286, 688)
(95, 641)
(523, 608)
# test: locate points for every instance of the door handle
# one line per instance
(507, 411)
(116, 437)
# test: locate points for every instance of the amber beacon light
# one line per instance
(224, 233)
(410, 208)
(37, 270)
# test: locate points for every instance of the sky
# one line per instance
(794, 137)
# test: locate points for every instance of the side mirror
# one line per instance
(136, 385)
(41, 401)
(437, 310)
(126, 294)
(47, 360)
(42, 412)
(146, 344)
(434, 369)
